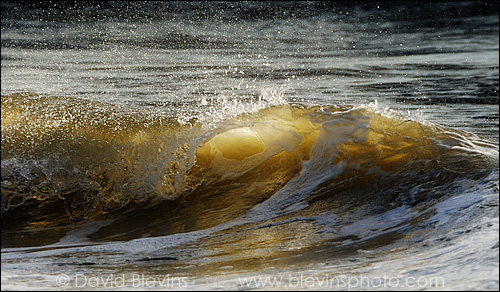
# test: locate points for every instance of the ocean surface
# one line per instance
(250, 145)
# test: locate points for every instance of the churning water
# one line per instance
(250, 145)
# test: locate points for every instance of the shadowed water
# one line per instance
(214, 142)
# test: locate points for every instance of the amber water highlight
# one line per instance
(201, 145)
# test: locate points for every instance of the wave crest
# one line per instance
(91, 160)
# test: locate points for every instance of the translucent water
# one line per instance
(250, 145)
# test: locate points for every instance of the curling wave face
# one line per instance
(66, 159)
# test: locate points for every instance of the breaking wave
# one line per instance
(65, 160)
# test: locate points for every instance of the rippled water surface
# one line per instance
(250, 145)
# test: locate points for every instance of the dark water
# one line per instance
(208, 145)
